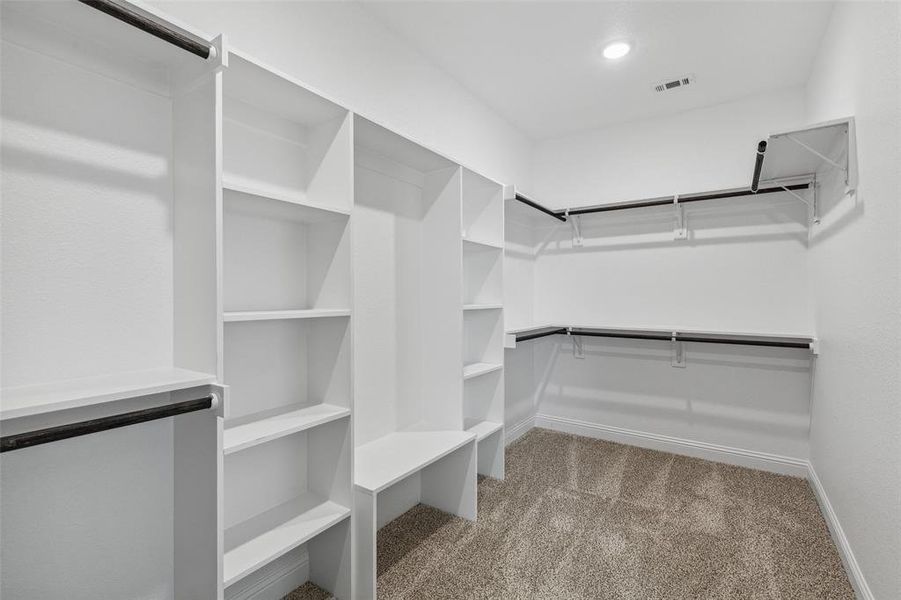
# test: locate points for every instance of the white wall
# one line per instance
(743, 268)
(855, 261)
(342, 52)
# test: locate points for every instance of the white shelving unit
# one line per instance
(483, 355)
(33, 400)
(255, 212)
(411, 446)
(109, 301)
(287, 197)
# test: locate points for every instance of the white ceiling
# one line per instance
(538, 63)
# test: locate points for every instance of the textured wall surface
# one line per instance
(855, 265)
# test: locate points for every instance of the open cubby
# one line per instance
(483, 210)
(482, 275)
(277, 366)
(283, 256)
(306, 479)
(282, 140)
(408, 415)
(407, 282)
(483, 337)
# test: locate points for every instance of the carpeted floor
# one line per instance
(579, 518)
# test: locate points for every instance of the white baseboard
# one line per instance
(511, 434)
(852, 568)
(274, 581)
(774, 463)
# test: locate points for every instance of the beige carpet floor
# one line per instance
(579, 518)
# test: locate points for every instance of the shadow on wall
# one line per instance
(747, 391)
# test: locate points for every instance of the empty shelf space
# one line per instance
(263, 538)
(482, 306)
(274, 426)
(477, 369)
(483, 429)
(484, 244)
(387, 460)
(293, 204)
(45, 398)
(271, 315)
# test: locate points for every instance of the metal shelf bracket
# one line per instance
(576, 222)
(678, 358)
(680, 229)
(578, 347)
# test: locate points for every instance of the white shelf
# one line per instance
(247, 435)
(273, 315)
(263, 538)
(483, 429)
(482, 306)
(483, 244)
(801, 152)
(477, 369)
(386, 460)
(32, 400)
(293, 204)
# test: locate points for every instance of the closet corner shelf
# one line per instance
(274, 315)
(390, 458)
(41, 399)
(477, 369)
(483, 244)
(482, 306)
(232, 184)
(267, 536)
(274, 426)
(483, 429)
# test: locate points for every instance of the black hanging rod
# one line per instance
(668, 201)
(533, 335)
(758, 165)
(62, 432)
(665, 201)
(557, 215)
(665, 337)
(137, 18)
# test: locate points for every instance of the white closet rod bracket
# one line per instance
(680, 229)
(678, 352)
(578, 347)
(576, 222)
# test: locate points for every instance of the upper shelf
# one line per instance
(276, 93)
(787, 162)
(40, 399)
(811, 151)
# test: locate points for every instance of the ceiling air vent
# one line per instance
(674, 84)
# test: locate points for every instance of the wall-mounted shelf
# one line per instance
(484, 244)
(478, 369)
(274, 315)
(482, 306)
(810, 151)
(264, 429)
(40, 399)
(787, 162)
(265, 537)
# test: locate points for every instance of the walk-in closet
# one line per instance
(450, 300)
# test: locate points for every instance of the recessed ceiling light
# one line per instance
(616, 50)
